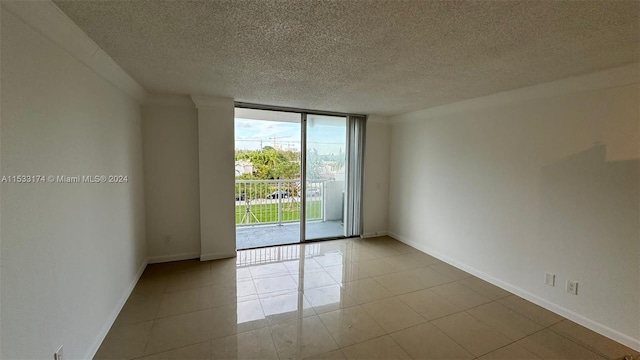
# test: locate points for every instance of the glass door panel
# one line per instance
(267, 167)
(325, 176)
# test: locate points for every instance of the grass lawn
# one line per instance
(268, 213)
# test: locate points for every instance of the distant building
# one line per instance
(243, 167)
(331, 170)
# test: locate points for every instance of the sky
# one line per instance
(326, 134)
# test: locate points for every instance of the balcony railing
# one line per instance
(276, 201)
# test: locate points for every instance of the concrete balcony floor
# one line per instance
(266, 235)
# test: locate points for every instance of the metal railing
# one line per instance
(276, 201)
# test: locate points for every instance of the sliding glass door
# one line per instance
(325, 176)
(298, 176)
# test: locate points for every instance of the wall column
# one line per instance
(217, 178)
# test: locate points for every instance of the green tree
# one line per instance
(270, 163)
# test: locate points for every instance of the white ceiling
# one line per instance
(372, 57)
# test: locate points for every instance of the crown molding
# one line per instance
(614, 77)
(49, 21)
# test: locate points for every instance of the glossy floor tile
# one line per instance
(125, 342)
(392, 314)
(509, 352)
(425, 341)
(429, 304)
(199, 351)
(591, 340)
(254, 344)
(506, 321)
(345, 299)
(401, 282)
(460, 295)
(546, 344)
(379, 348)
(475, 336)
(302, 338)
(351, 325)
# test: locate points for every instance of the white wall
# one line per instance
(172, 195)
(216, 149)
(542, 179)
(70, 253)
(376, 177)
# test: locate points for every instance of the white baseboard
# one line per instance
(562, 311)
(114, 314)
(177, 257)
(373, 234)
(216, 256)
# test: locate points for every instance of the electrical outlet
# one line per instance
(550, 279)
(59, 355)
(572, 287)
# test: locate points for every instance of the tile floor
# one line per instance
(344, 299)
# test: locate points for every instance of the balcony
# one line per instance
(268, 211)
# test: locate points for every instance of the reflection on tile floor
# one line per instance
(344, 299)
(253, 236)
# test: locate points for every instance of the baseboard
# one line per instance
(562, 311)
(216, 256)
(112, 318)
(177, 257)
(373, 234)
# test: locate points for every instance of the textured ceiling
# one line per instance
(373, 57)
